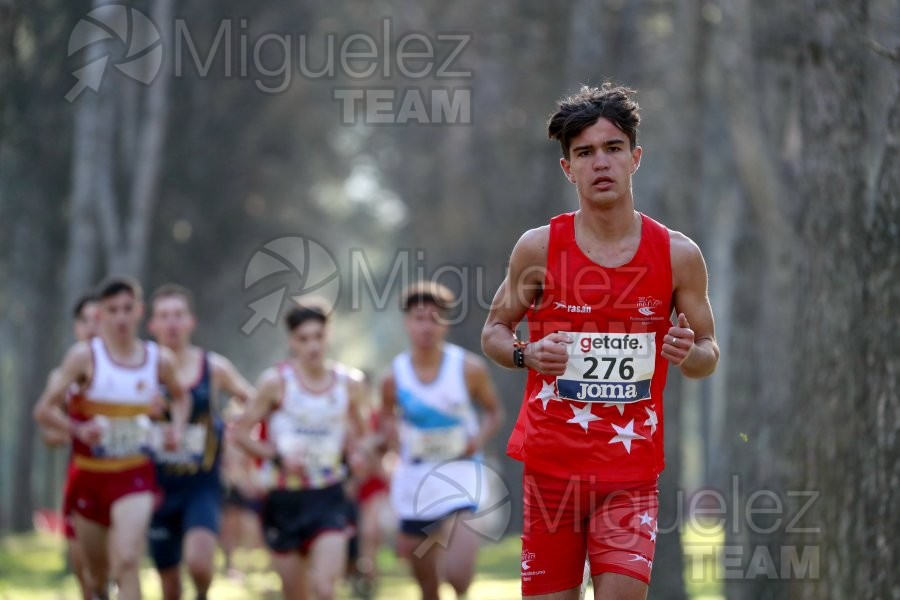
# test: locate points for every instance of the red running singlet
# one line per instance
(604, 417)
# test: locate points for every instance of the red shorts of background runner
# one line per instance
(94, 493)
(68, 503)
(614, 524)
(370, 487)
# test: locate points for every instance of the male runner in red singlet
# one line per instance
(86, 314)
(599, 287)
(311, 408)
(114, 484)
(184, 527)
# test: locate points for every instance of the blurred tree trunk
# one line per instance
(680, 210)
(879, 488)
(848, 311)
(153, 122)
(8, 21)
(30, 188)
(97, 202)
(33, 245)
(762, 364)
(815, 403)
(93, 123)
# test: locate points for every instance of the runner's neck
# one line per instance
(183, 352)
(125, 351)
(608, 225)
(425, 359)
(313, 375)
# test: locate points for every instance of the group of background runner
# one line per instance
(154, 459)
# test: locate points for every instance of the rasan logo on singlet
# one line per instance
(572, 308)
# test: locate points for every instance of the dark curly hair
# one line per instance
(579, 111)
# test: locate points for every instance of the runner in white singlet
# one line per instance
(428, 408)
(310, 407)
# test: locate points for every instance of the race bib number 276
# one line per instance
(609, 367)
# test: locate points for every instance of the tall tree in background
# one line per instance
(32, 67)
(117, 157)
(680, 206)
(816, 395)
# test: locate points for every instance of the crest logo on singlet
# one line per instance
(646, 306)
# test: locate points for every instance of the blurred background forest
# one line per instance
(771, 135)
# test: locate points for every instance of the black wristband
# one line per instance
(519, 357)
(276, 460)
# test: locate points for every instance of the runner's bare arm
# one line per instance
(53, 436)
(482, 391)
(75, 368)
(227, 378)
(356, 389)
(387, 422)
(269, 390)
(179, 398)
(691, 343)
(521, 288)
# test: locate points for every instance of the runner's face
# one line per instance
(171, 321)
(426, 326)
(601, 164)
(87, 324)
(308, 342)
(120, 315)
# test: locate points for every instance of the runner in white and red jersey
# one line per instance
(114, 487)
(85, 326)
(310, 406)
(600, 287)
